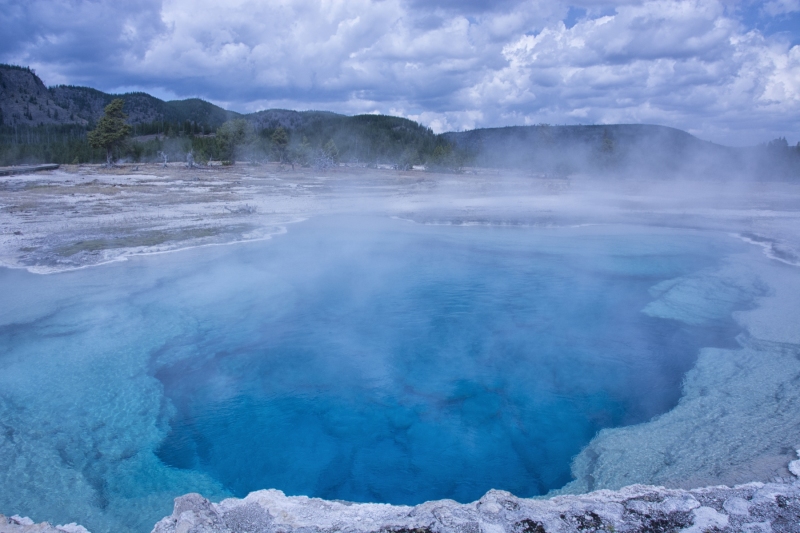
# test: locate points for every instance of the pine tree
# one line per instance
(111, 130)
(331, 150)
(280, 140)
(232, 136)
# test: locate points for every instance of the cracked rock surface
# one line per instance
(754, 507)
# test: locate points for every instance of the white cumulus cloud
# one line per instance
(693, 64)
(681, 63)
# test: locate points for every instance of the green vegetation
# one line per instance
(313, 136)
(325, 139)
(280, 140)
(369, 139)
(233, 139)
(46, 144)
(111, 130)
(16, 67)
(620, 150)
(66, 124)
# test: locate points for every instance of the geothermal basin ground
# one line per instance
(131, 376)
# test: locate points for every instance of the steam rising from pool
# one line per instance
(363, 359)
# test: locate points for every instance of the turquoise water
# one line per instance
(362, 359)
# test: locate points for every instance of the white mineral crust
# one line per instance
(752, 507)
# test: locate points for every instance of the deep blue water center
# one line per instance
(352, 358)
(379, 360)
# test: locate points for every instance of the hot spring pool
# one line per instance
(362, 359)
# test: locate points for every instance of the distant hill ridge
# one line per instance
(26, 101)
(615, 149)
(567, 149)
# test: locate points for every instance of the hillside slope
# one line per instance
(25, 101)
(44, 125)
(569, 149)
(366, 138)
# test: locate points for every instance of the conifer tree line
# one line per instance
(323, 138)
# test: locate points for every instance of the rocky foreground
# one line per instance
(753, 507)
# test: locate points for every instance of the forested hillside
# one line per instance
(623, 150)
(49, 125)
(25, 102)
(570, 149)
(40, 124)
(360, 138)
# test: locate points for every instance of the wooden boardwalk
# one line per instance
(26, 169)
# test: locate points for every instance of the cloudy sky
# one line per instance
(725, 70)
